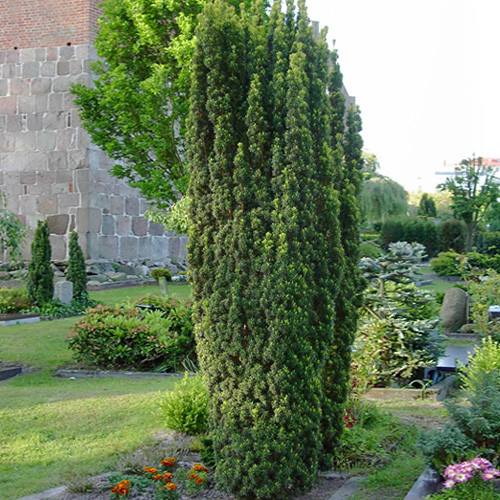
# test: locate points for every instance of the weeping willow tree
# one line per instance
(382, 197)
(269, 175)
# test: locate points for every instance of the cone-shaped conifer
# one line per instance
(40, 283)
(76, 272)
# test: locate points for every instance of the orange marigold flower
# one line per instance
(171, 486)
(198, 480)
(125, 482)
(158, 477)
(200, 468)
(114, 489)
(168, 462)
(150, 470)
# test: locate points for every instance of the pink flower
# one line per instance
(490, 474)
(480, 463)
(462, 477)
(449, 484)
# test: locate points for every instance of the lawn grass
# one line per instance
(120, 295)
(53, 428)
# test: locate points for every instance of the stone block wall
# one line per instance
(49, 169)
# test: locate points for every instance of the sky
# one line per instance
(426, 76)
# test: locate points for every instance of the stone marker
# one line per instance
(453, 312)
(63, 290)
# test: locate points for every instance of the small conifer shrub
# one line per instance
(76, 272)
(40, 283)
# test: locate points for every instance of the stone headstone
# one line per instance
(63, 291)
(453, 312)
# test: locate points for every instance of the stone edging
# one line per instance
(74, 374)
(428, 483)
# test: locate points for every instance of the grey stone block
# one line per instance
(26, 55)
(54, 120)
(18, 86)
(41, 85)
(65, 139)
(62, 68)
(9, 71)
(159, 247)
(66, 52)
(4, 87)
(56, 101)
(78, 159)
(26, 104)
(174, 246)
(48, 69)
(27, 177)
(75, 67)
(68, 200)
(34, 121)
(30, 69)
(144, 248)
(14, 123)
(46, 141)
(82, 52)
(40, 54)
(156, 229)
(123, 225)
(108, 247)
(58, 224)
(7, 143)
(47, 205)
(8, 105)
(128, 248)
(46, 177)
(12, 56)
(58, 244)
(117, 205)
(139, 226)
(61, 84)
(52, 53)
(132, 206)
(57, 160)
(108, 225)
(41, 103)
(26, 142)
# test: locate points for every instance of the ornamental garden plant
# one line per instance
(273, 247)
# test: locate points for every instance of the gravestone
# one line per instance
(63, 291)
(453, 312)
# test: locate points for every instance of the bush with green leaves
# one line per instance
(489, 243)
(40, 284)
(76, 271)
(452, 235)
(128, 337)
(485, 292)
(411, 229)
(14, 300)
(185, 409)
(447, 263)
(161, 272)
(12, 233)
(475, 415)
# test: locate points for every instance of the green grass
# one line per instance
(120, 295)
(53, 428)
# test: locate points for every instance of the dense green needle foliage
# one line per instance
(76, 272)
(40, 283)
(267, 165)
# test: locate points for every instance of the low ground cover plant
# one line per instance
(164, 481)
(14, 300)
(132, 338)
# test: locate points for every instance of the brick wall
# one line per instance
(46, 23)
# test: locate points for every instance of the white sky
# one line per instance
(426, 76)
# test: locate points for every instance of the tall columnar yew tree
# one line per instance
(267, 263)
(40, 283)
(76, 272)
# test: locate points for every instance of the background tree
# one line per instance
(76, 272)
(427, 207)
(40, 283)
(135, 109)
(264, 248)
(382, 197)
(371, 164)
(474, 188)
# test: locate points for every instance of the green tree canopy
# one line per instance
(136, 107)
(382, 197)
(474, 188)
(427, 207)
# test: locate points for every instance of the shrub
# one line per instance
(14, 300)
(485, 292)
(411, 229)
(185, 409)
(452, 236)
(40, 284)
(446, 264)
(489, 243)
(483, 261)
(485, 360)
(12, 232)
(121, 337)
(76, 272)
(161, 273)
(370, 250)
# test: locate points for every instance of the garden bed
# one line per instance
(11, 319)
